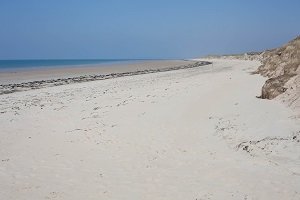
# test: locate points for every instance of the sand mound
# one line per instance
(280, 66)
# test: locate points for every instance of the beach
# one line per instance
(194, 133)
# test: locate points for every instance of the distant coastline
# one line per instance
(30, 64)
(11, 88)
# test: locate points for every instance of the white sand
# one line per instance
(170, 135)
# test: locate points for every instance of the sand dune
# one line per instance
(197, 133)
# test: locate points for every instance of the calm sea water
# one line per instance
(10, 65)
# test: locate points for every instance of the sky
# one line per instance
(149, 29)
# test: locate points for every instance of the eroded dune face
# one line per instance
(281, 66)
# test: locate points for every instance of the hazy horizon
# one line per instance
(142, 29)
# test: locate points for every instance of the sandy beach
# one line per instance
(197, 133)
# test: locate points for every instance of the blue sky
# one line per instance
(36, 29)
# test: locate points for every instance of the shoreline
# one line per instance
(24, 67)
(38, 74)
(107, 73)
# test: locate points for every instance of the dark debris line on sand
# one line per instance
(16, 87)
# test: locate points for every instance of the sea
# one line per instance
(13, 65)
